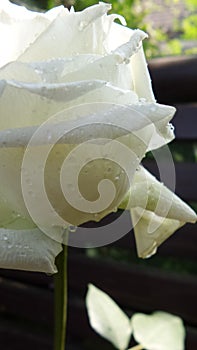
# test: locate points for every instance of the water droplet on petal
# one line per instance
(82, 25)
(72, 228)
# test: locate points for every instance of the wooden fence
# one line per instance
(165, 282)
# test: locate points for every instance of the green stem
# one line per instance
(60, 283)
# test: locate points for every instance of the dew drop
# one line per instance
(96, 217)
(171, 127)
(72, 228)
(153, 109)
(142, 100)
(117, 178)
(82, 25)
(38, 71)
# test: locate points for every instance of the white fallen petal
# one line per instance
(29, 250)
(107, 319)
(159, 331)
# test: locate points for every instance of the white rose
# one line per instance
(68, 78)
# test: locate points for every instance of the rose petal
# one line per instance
(29, 250)
(111, 68)
(84, 32)
(19, 71)
(156, 212)
(11, 219)
(127, 50)
(34, 103)
(141, 76)
(21, 27)
(94, 124)
(120, 35)
(158, 198)
(117, 36)
(78, 68)
(146, 242)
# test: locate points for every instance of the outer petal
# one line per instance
(110, 68)
(35, 103)
(84, 31)
(141, 76)
(20, 27)
(120, 35)
(159, 117)
(29, 250)
(156, 212)
(10, 218)
(132, 46)
(117, 36)
(159, 199)
(146, 242)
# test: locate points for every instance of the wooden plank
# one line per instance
(174, 79)
(26, 335)
(186, 174)
(78, 326)
(15, 337)
(185, 122)
(142, 289)
(191, 338)
(28, 302)
(34, 279)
